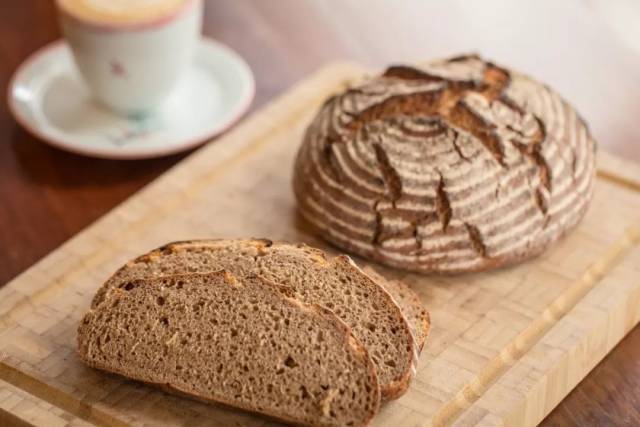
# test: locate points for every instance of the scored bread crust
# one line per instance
(357, 349)
(456, 166)
(390, 390)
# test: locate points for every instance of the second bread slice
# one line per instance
(415, 313)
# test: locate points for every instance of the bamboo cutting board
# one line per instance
(505, 346)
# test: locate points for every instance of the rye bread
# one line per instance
(459, 165)
(238, 341)
(414, 311)
(335, 283)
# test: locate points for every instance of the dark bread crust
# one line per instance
(350, 341)
(457, 166)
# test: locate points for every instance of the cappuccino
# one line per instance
(131, 53)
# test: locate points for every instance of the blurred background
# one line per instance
(588, 50)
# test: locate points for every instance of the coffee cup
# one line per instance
(131, 53)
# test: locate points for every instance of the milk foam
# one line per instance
(121, 11)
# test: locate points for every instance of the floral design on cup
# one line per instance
(117, 69)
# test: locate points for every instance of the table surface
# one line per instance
(581, 48)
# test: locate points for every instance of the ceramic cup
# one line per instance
(132, 68)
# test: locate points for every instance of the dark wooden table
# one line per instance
(47, 196)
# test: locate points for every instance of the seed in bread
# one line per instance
(236, 341)
(459, 165)
(335, 283)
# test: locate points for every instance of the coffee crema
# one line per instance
(118, 12)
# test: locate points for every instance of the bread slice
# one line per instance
(236, 341)
(409, 301)
(337, 284)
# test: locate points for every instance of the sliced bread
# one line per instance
(336, 283)
(414, 311)
(236, 341)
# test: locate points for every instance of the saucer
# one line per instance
(49, 99)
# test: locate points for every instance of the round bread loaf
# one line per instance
(457, 166)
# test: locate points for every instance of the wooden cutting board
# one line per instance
(505, 347)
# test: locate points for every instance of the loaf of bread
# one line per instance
(459, 165)
(337, 284)
(236, 341)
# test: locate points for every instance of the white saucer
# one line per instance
(48, 98)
